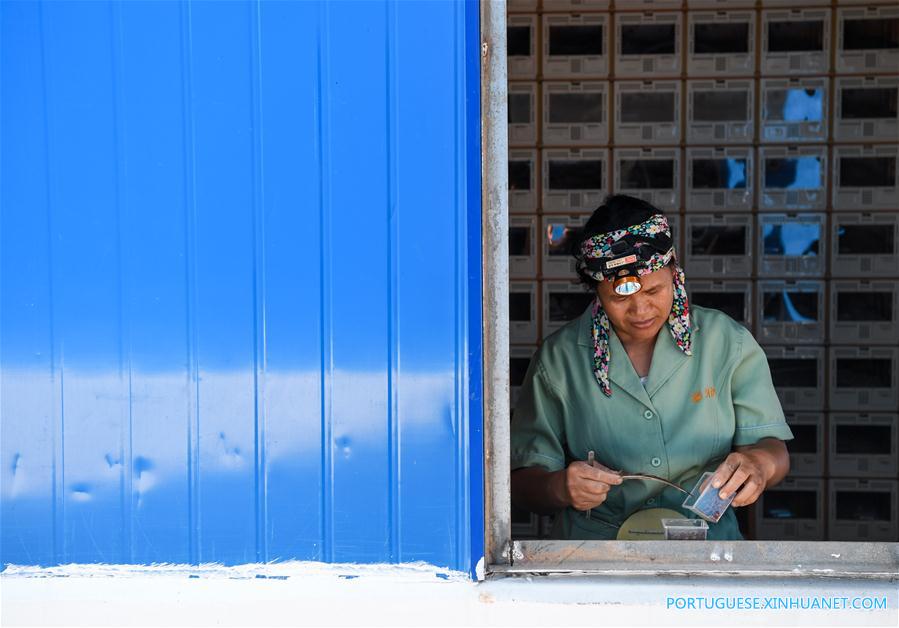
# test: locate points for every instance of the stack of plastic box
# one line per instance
(769, 133)
(790, 251)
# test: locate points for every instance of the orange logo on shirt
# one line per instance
(708, 393)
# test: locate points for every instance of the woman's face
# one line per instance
(640, 316)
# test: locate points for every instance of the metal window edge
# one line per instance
(744, 559)
(505, 557)
(495, 248)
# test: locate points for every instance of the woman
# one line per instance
(648, 383)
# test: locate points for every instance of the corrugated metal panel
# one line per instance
(240, 282)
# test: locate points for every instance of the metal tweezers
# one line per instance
(646, 476)
(591, 458)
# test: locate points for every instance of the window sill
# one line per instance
(805, 559)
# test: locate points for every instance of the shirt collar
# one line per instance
(667, 358)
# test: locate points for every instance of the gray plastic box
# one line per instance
(864, 244)
(523, 324)
(792, 245)
(720, 111)
(574, 179)
(519, 361)
(558, 232)
(863, 445)
(720, 179)
(733, 297)
(718, 245)
(864, 378)
(798, 374)
(523, 247)
(864, 312)
(865, 108)
(807, 453)
(652, 174)
(648, 5)
(862, 510)
(861, 35)
(589, 62)
(708, 30)
(523, 114)
(575, 113)
(575, 5)
(791, 312)
(634, 30)
(866, 177)
(525, 6)
(523, 175)
(795, 41)
(794, 110)
(792, 178)
(790, 3)
(792, 511)
(563, 301)
(647, 112)
(521, 37)
(720, 4)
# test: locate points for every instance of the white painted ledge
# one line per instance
(302, 594)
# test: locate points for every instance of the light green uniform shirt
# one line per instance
(689, 416)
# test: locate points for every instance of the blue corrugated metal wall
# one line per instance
(240, 282)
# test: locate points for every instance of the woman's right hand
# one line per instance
(587, 487)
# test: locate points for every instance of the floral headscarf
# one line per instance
(600, 246)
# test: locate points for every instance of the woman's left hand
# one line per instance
(743, 472)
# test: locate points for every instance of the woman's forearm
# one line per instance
(535, 489)
(772, 456)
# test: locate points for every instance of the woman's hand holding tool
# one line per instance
(587, 484)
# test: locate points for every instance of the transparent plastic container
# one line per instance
(685, 529)
(704, 500)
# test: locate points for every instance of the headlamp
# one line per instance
(628, 256)
(627, 285)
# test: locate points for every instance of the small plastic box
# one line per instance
(685, 529)
(704, 500)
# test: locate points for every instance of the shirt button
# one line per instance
(647, 414)
(650, 501)
(655, 462)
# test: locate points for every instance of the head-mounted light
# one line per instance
(627, 285)
(629, 255)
